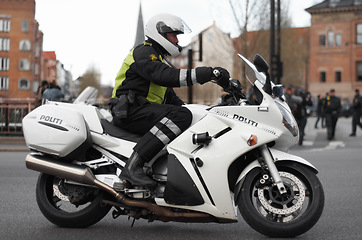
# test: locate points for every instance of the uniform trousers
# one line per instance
(158, 123)
(356, 121)
(331, 122)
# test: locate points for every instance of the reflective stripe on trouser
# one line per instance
(158, 123)
(159, 135)
(165, 130)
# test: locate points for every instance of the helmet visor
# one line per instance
(176, 25)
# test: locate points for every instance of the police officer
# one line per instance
(300, 112)
(357, 107)
(332, 109)
(143, 101)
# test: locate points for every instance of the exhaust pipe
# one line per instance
(82, 174)
(40, 163)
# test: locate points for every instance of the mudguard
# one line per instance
(278, 156)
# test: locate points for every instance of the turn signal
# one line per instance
(253, 140)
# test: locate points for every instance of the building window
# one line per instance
(37, 51)
(36, 69)
(4, 44)
(5, 25)
(333, 3)
(4, 64)
(323, 77)
(24, 64)
(23, 84)
(25, 26)
(338, 76)
(359, 71)
(338, 40)
(25, 45)
(322, 40)
(359, 33)
(330, 38)
(4, 83)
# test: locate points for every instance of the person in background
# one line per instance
(41, 89)
(300, 112)
(292, 99)
(332, 107)
(53, 93)
(320, 112)
(357, 108)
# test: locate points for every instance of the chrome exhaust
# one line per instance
(82, 174)
(40, 163)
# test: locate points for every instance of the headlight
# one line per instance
(288, 119)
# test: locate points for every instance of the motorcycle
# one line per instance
(232, 157)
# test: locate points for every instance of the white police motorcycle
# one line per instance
(232, 157)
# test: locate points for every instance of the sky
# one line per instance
(99, 34)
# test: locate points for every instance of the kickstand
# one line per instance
(134, 219)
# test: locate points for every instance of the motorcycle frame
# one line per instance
(263, 121)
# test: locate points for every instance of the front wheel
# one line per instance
(69, 205)
(286, 215)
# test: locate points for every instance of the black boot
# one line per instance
(133, 172)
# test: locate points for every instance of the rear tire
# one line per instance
(55, 206)
(288, 215)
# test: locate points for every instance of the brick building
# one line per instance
(336, 47)
(20, 49)
(49, 72)
(294, 54)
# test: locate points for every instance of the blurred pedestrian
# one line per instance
(53, 93)
(292, 99)
(320, 114)
(332, 107)
(40, 91)
(300, 112)
(356, 115)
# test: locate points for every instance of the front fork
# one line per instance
(269, 162)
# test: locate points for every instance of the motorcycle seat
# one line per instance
(117, 132)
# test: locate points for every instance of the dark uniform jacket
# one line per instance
(144, 72)
(332, 105)
(357, 103)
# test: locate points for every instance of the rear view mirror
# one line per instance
(260, 64)
(278, 90)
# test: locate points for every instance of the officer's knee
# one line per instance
(182, 117)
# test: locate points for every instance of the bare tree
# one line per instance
(91, 77)
(253, 20)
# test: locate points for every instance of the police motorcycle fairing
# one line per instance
(232, 157)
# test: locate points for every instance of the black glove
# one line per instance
(221, 76)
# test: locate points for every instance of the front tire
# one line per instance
(69, 206)
(287, 215)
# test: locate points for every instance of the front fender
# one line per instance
(283, 156)
(277, 156)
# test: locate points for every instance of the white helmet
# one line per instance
(159, 25)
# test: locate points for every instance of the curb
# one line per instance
(13, 144)
(14, 149)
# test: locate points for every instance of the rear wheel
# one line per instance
(69, 205)
(282, 215)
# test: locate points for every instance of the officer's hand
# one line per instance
(221, 77)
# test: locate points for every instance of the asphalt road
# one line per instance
(339, 163)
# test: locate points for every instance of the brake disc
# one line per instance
(58, 193)
(272, 201)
